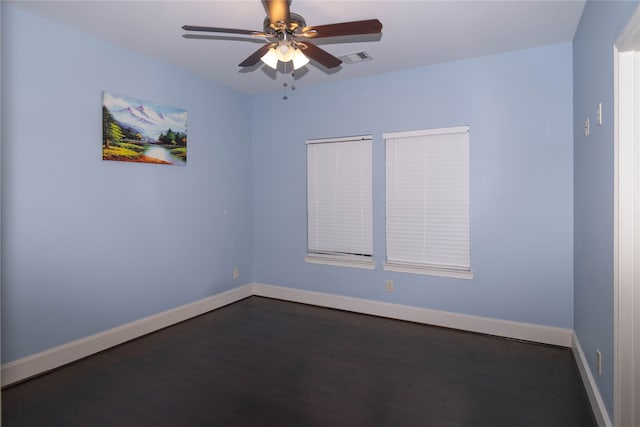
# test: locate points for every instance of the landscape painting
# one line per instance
(134, 130)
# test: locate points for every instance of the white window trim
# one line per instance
(368, 137)
(354, 261)
(428, 271)
(425, 132)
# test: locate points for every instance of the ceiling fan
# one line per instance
(288, 35)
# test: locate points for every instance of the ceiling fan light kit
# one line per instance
(285, 51)
(288, 36)
(270, 58)
(299, 59)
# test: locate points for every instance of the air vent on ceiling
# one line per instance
(352, 58)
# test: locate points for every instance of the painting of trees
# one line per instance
(134, 130)
(111, 131)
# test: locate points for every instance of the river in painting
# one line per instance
(161, 153)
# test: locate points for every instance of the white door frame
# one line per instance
(626, 395)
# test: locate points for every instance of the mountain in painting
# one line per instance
(150, 120)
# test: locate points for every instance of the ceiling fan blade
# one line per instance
(224, 30)
(254, 58)
(278, 11)
(321, 56)
(354, 28)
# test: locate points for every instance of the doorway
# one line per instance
(627, 226)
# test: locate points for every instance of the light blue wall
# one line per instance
(593, 74)
(88, 244)
(519, 107)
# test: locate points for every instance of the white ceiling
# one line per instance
(415, 33)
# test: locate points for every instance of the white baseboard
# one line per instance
(39, 363)
(484, 325)
(58, 356)
(597, 404)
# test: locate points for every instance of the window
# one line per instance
(427, 213)
(339, 207)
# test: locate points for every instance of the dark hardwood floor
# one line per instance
(263, 362)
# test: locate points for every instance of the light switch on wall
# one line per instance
(586, 128)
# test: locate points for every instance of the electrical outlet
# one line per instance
(599, 361)
(389, 285)
(236, 273)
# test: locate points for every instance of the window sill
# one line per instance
(359, 262)
(428, 271)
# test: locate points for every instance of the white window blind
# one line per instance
(427, 201)
(339, 200)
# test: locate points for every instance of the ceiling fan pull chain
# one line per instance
(285, 84)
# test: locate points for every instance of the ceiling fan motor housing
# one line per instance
(277, 29)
